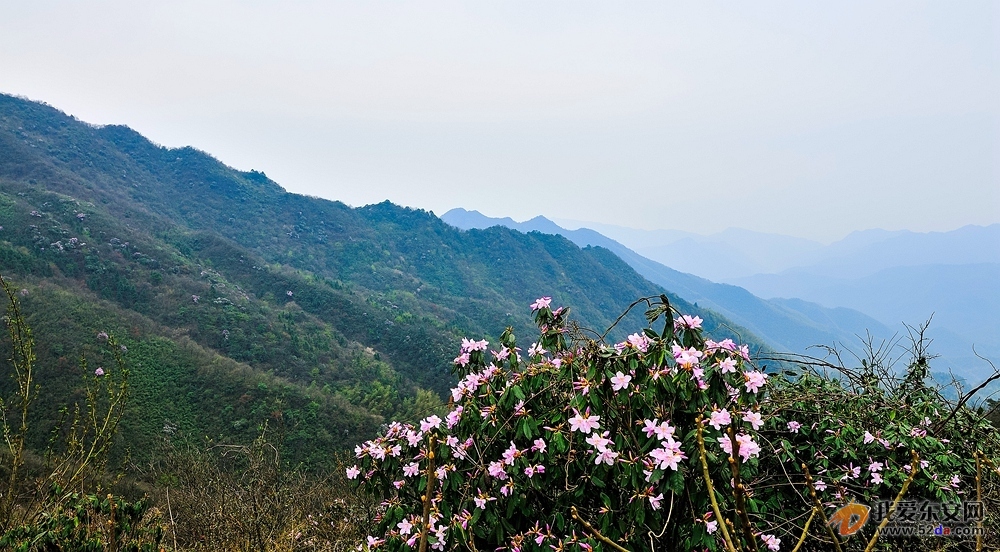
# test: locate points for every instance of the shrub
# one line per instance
(666, 441)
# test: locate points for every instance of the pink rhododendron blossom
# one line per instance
(497, 470)
(462, 359)
(411, 469)
(600, 442)
(794, 426)
(536, 349)
(869, 438)
(687, 321)
(430, 422)
(639, 341)
(876, 478)
(352, 472)
(649, 427)
(755, 380)
(538, 445)
(819, 485)
(584, 423)
(711, 526)
(664, 431)
(754, 419)
(727, 366)
(454, 416)
(772, 542)
(99, 372)
(719, 418)
(654, 501)
(620, 381)
(668, 455)
(541, 303)
(405, 527)
(606, 456)
(686, 358)
(511, 454)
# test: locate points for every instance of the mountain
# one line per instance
(785, 326)
(242, 304)
(895, 277)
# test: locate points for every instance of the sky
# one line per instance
(807, 119)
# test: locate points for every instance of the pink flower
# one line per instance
(405, 527)
(541, 303)
(655, 501)
(620, 381)
(794, 426)
(373, 542)
(728, 366)
(668, 455)
(462, 359)
(711, 526)
(639, 341)
(539, 446)
(869, 437)
(607, 456)
(819, 485)
(454, 416)
(430, 422)
(599, 442)
(511, 454)
(584, 423)
(99, 372)
(876, 478)
(687, 321)
(719, 418)
(686, 358)
(664, 431)
(649, 427)
(352, 472)
(497, 470)
(754, 419)
(536, 349)
(772, 542)
(470, 345)
(755, 380)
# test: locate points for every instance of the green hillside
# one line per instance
(240, 302)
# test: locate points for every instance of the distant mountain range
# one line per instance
(807, 305)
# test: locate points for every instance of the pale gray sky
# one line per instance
(809, 119)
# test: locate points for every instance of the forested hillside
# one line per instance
(240, 302)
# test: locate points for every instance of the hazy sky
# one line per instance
(811, 119)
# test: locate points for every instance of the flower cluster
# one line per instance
(621, 436)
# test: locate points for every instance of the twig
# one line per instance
(914, 468)
(711, 489)
(818, 507)
(425, 526)
(170, 512)
(739, 491)
(979, 498)
(805, 530)
(593, 531)
(965, 398)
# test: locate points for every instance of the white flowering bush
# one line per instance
(666, 441)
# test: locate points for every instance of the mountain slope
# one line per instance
(785, 326)
(304, 297)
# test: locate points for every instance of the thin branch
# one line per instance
(593, 531)
(711, 489)
(914, 468)
(818, 507)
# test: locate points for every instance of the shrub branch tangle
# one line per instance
(576, 444)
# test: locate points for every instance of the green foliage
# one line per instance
(669, 441)
(90, 523)
(242, 303)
